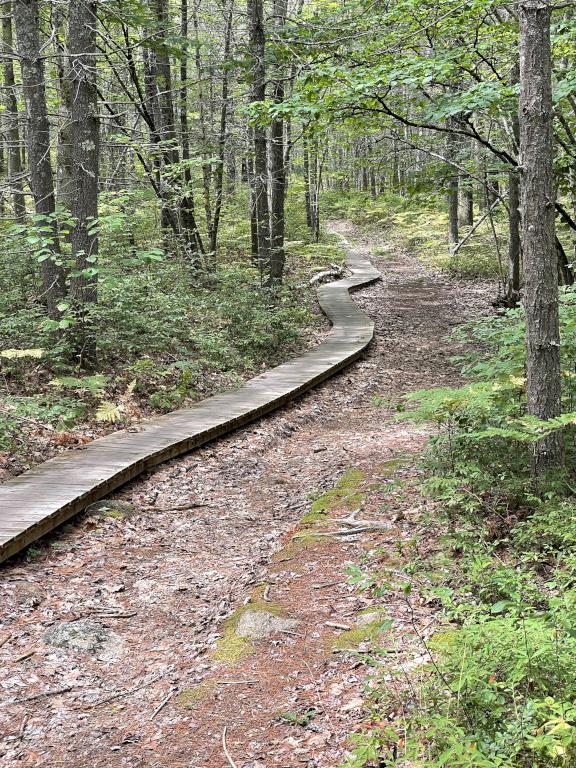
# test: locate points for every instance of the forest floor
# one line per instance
(215, 605)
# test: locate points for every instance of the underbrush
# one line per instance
(167, 335)
(419, 224)
(496, 683)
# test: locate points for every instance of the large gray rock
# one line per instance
(84, 635)
(257, 625)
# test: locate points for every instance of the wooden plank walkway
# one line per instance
(43, 498)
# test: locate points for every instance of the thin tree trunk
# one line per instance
(306, 172)
(222, 134)
(85, 137)
(255, 10)
(206, 165)
(187, 205)
(11, 107)
(514, 218)
(452, 193)
(278, 167)
(40, 166)
(541, 283)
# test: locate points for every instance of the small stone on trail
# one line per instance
(258, 625)
(368, 618)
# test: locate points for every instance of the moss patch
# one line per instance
(189, 697)
(370, 631)
(231, 647)
(345, 493)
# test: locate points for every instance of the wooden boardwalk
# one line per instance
(43, 498)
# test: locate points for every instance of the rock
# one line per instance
(257, 625)
(84, 635)
(364, 619)
(352, 705)
(111, 508)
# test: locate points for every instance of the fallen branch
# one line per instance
(126, 692)
(225, 748)
(162, 704)
(53, 692)
(354, 526)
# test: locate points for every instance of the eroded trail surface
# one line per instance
(139, 635)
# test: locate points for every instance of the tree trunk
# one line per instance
(223, 131)
(452, 193)
(40, 166)
(306, 172)
(187, 205)
(514, 218)
(514, 242)
(85, 137)
(255, 10)
(466, 203)
(278, 167)
(538, 228)
(11, 107)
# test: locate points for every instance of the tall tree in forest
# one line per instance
(85, 139)
(453, 185)
(11, 113)
(538, 226)
(279, 176)
(26, 21)
(228, 10)
(255, 9)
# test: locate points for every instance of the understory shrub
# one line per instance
(496, 686)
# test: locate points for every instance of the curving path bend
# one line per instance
(43, 498)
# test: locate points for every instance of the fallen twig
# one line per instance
(126, 692)
(345, 627)
(225, 748)
(327, 584)
(162, 704)
(24, 656)
(53, 692)
(237, 682)
(22, 728)
(181, 508)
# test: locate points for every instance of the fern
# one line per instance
(108, 411)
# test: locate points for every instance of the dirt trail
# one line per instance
(152, 593)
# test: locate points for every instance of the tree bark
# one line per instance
(538, 228)
(39, 163)
(255, 9)
(452, 193)
(11, 107)
(223, 131)
(187, 203)
(514, 218)
(85, 139)
(278, 166)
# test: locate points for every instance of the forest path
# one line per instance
(123, 613)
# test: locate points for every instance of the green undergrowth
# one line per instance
(418, 223)
(364, 631)
(167, 336)
(495, 685)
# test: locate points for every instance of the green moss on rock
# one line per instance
(363, 631)
(345, 493)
